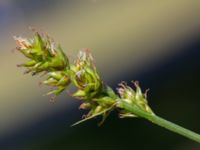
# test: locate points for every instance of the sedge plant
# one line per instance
(45, 56)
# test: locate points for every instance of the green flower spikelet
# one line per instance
(45, 56)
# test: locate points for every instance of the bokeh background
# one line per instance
(155, 42)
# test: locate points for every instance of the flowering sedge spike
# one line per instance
(133, 97)
(45, 56)
(90, 87)
(98, 98)
(85, 77)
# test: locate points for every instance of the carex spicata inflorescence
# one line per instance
(45, 56)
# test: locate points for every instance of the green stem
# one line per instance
(160, 121)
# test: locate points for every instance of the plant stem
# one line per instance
(160, 121)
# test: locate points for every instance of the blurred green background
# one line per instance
(155, 42)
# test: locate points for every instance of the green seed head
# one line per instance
(133, 97)
(43, 53)
(85, 77)
(45, 56)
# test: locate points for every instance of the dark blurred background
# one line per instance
(154, 42)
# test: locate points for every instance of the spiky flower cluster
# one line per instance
(46, 56)
(133, 97)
